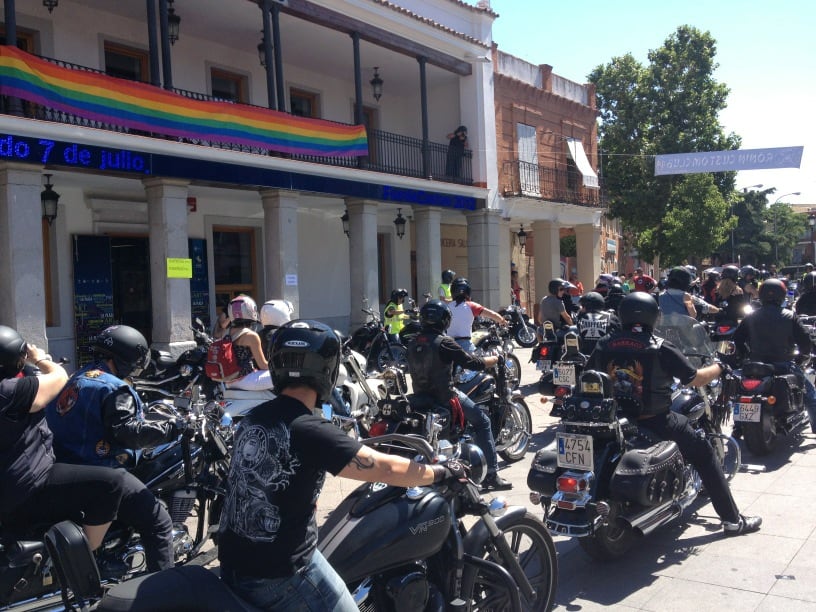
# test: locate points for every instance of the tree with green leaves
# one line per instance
(670, 105)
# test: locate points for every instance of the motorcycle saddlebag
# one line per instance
(784, 388)
(543, 472)
(648, 476)
(73, 560)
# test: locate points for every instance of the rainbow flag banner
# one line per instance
(140, 106)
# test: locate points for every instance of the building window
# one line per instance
(228, 86)
(25, 39)
(126, 63)
(234, 263)
(303, 103)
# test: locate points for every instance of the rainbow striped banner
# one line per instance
(140, 106)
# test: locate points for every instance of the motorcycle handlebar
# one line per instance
(420, 445)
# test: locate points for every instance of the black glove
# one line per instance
(726, 369)
(451, 471)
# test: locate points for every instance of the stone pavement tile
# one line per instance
(806, 557)
(749, 574)
(759, 547)
(796, 582)
(681, 595)
(774, 603)
(777, 512)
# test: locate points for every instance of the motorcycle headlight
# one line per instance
(186, 370)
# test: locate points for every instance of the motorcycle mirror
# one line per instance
(726, 347)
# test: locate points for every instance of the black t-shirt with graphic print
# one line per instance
(279, 463)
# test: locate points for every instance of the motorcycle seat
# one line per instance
(188, 587)
(756, 369)
(21, 552)
(241, 394)
(163, 360)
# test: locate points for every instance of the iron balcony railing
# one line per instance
(561, 183)
(387, 152)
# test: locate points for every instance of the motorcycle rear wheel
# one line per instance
(533, 547)
(514, 439)
(609, 542)
(525, 335)
(761, 437)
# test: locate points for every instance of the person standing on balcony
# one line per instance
(456, 152)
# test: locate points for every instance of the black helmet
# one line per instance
(679, 278)
(398, 293)
(12, 352)
(746, 270)
(127, 348)
(638, 307)
(713, 275)
(555, 285)
(773, 291)
(460, 288)
(305, 352)
(616, 289)
(434, 316)
(809, 282)
(592, 301)
(448, 276)
(730, 272)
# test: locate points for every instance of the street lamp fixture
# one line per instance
(400, 222)
(522, 238)
(345, 221)
(173, 23)
(376, 84)
(49, 200)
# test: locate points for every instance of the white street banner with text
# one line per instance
(724, 161)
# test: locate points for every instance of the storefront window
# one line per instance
(234, 263)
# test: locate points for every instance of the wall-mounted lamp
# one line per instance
(173, 23)
(49, 199)
(400, 222)
(345, 221)
(50, 4)
(376, 84)
(522, 238)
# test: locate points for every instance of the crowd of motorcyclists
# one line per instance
(79, 433)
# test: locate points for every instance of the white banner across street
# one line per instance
(723, 161)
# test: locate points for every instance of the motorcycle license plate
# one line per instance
(574, 451)
(747, 411)
(564, 374)
(543, 365)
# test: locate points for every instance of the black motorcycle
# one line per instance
(495, 340)
(548, 350)
(607, 480)
(187, 475)
(166, 378)
(521, 328)
(372, 341)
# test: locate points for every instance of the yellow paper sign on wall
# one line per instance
(179, 267)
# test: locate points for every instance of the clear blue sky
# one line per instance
(766, 53)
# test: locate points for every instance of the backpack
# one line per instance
(222, 362)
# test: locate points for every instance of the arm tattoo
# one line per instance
(363, 463)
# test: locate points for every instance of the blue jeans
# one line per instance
(315, 586)
(482, 434)
(466, 344)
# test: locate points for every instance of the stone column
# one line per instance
(427, 222)
(167, 217)
(547, 257)
(588, 250)
(21, 252)
(483, 257)
(362, 259)
(281, 246)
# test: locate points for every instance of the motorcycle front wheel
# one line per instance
(514, 438)
(525, 335)
(533, 548)
(513, 372)
(392, 355)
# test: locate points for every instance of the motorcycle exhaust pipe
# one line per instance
(645, 523)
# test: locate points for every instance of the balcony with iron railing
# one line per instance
(387, 152)
(561, 183)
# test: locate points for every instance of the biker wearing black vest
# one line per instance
(431, 358)
(642, 369)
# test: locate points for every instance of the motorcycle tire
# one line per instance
(545, 384)
(761, 437)
(525, 336)
(726, 449)
(514, 438)
(513, 373)
(609, 542)
(529, 541)
(392, 355)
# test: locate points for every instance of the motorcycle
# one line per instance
(372, 341)
(607, 480)
(187, 475)
(767, 403)
(568, 368)
(549, 348)
(495, 340)
(166, 378)
(521, 329)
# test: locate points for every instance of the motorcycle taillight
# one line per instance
(562, 391)
(378, 429)
(723, 329)
(544, 351)
(749, 384)
(571, 484)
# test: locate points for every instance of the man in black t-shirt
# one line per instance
(642, 372)
(268, 533)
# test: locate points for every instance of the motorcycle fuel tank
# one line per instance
(379, 527)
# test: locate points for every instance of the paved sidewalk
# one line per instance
(688, 564)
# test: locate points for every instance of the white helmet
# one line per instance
(242, 309)
(276, 312)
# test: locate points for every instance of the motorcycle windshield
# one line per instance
(687, 334)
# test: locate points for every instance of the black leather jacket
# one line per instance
(770, 335)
